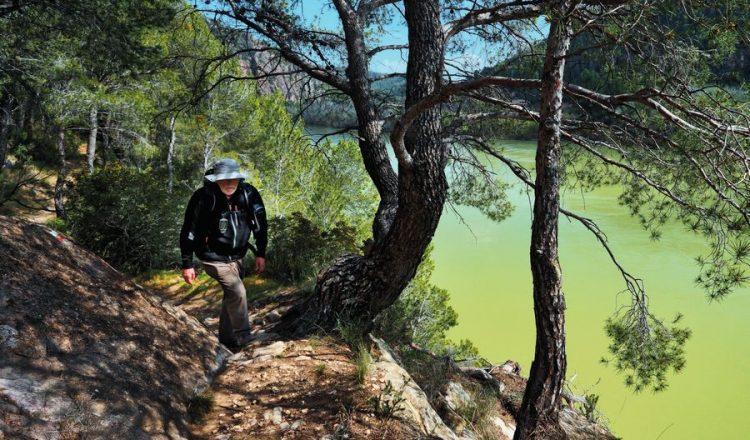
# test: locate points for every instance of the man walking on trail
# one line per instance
(218, 221)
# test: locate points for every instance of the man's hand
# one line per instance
(188, 275)
(260, 264)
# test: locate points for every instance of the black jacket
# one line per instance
(218, 229)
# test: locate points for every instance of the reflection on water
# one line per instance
(486, 270)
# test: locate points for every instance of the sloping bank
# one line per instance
(87, 353)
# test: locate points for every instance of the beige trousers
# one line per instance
(234, 323)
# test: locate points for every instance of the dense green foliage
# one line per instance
(299, 248)
(163, 114)
(120, 214)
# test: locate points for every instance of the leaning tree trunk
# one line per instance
(538, 416)
(93, 130)
(62, 174)
(370, 130)
(358, 288)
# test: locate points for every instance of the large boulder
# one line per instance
(87, 353)
(416, 407)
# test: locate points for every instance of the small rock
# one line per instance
(268, 415)
(305, 410)
(284, 426)
(273, 316)
(237, 415)
(223, 437)
(274, 349)
(511, 367)
(456, 396)
(277, 418)
(508, 429)
(8, 337)
(296, 425)
(303, 358)
(328, 437)
(236, 357)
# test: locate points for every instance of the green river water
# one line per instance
(485, 267)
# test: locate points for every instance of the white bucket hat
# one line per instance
(224, 169)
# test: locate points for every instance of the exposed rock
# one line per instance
(510, 367)
(88, 352)
(417, 408)
(8, 337)
(272, 350)
(577, 427)
(456, 396)
(277, 416)
(508, 429)
(272, 316)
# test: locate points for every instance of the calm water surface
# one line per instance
(485, 266)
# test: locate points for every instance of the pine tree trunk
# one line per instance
(370, 127)
(358, 288)
(62, 174)
(170, 150)
(538, 416)
(93, 130)
(6, 118)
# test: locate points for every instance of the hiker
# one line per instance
(218, 221)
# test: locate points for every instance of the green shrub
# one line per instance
(387, 404)
(127, 217)
(199, 405)
(299, 249)
(364, 360)
(477, 413)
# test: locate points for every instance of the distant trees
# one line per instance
(145, 110)
(57, 65)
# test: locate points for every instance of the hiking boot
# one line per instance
(245, 339)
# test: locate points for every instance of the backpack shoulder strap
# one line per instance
(208, 199)
(245, 189)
